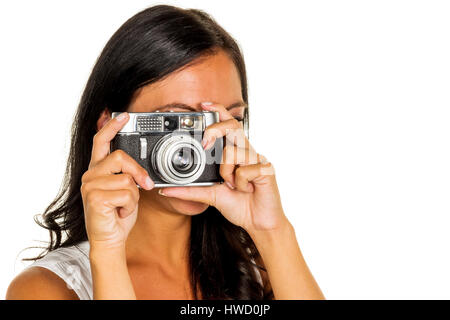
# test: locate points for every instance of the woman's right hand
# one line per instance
(109, 191)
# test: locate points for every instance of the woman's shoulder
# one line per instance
(64, 273)
(36, 283)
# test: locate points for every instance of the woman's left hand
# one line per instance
(249, 197)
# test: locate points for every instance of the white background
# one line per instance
(349, 99)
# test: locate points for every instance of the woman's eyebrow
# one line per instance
(177, 105)
(239, 104)
(188, 107)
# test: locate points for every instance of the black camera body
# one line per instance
(168, 146)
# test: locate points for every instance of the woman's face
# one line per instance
(213, 79)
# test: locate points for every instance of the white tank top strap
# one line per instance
(72, 265)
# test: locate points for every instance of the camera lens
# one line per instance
(183, 160)
(178, 158)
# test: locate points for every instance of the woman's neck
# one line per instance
(158, 235)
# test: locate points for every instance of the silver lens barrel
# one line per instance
(166, 150)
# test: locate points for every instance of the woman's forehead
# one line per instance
(213, 78)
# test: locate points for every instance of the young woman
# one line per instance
(110, 239)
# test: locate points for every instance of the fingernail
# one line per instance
(229, 185)
(204, 142)
(160, 191)
(149, 183)
(206, 105)
(210, 143)
(121, 116)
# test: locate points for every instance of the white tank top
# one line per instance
(72, 265)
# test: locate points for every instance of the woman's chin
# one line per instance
(187, 207)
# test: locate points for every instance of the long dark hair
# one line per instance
(146, 48)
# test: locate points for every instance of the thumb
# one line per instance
(199, 194)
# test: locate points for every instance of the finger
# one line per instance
(224, 114)
(112, 182)
(233, 156)
(199, 194)
(117, 162)
(230, 129)
(246, 175)
(113, 199)
(102, 139)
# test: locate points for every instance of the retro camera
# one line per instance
(168, 146)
